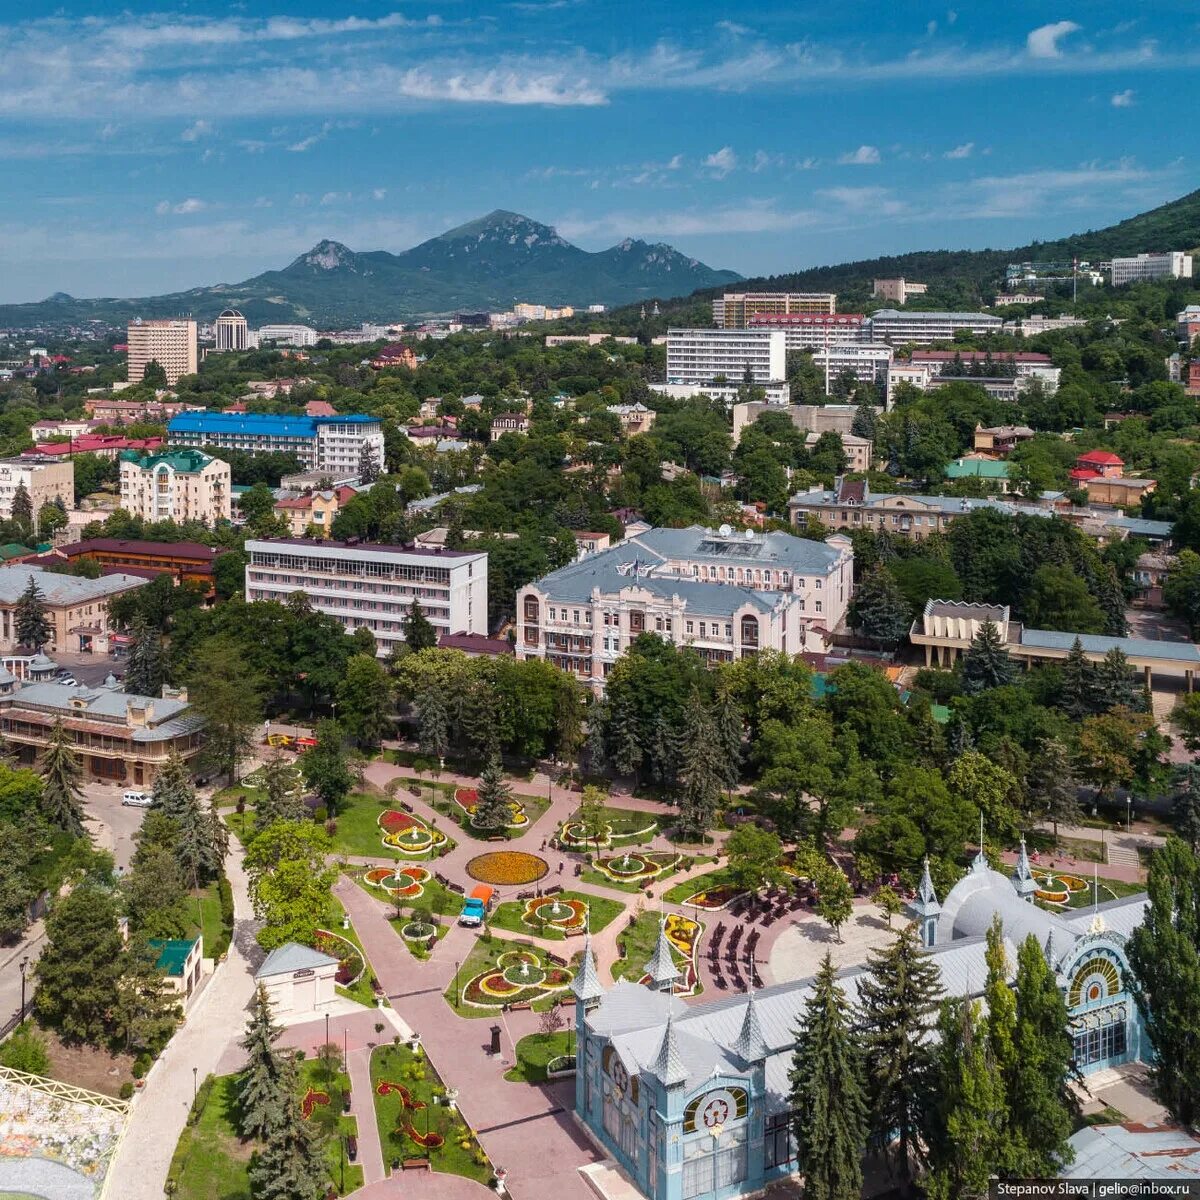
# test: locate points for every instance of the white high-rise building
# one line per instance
(170, 343)
(290, 335)
(923, 328)
(736, 356)
(231, 331)
(1172, 264)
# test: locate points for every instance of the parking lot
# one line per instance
(112, 824)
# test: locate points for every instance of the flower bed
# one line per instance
(575, 834)
(418, 931)
(431, 1141)
(1058, 888)
(554, 911)
(408, 834)
(351, 964)
(468, 800)
(684, 935)
(635, 867)
(714, 899)
(311, 1099)
(404, 882)
(519, 976)
(507, 867)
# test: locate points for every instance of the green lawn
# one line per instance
(417, 951)
(508, 915)
(627, 825)
(361, 991)
(535, 1050)
(1110, 889)
(460, 1153)
(436, 897)
(216, 936)
(483, 957)
(701, 883)
(358, 831)
(599, 879)
(336, 1124)
(638, 941)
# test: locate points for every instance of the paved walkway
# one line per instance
(218, 1016)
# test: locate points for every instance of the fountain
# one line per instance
(625, 862)
(556, 910)
(524, 968)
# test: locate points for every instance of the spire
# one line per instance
(668, 1066)
(1022, 876)
(926, 907)
(750, 1045)
(661, 968)
(980, 862)
(1052, 951)
(925, 890)
(586, 984)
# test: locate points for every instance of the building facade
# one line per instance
(373, 587)
(76, 608)
(732, 356)
(812, 331)
(868, 364)
(45, 482)
(231, 331)
(1021, 365)
(897, 291)
(923, 328)
(333, 444)
(773, 393)
(186, 562)
(170, 343)
(287, 335)
(1172, 264)
(314, 509)
(179, 485)
(734, 309)
(728, 595)
(694, 1100)
(634, 418)
(118, 737)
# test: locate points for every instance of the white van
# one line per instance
(137, 799)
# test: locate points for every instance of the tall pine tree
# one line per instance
(31, 625)
(280, 799)
(1076, 692)
(261, 1085)
(419, 633)
(829, 1106)
(987, 664)
(493, 808)
(701, 770)
(898, 999)
(62, 775)
(1051, 787)
(202, 839)
(147, 665)
(291, 1165)
(434, 718)
(879, 610)
(1186, 806)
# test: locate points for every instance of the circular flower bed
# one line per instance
(418, 931)
(404, 882)
(1058, 888)
(501, 867)
(351, 964)
(554, 910)
(468, 800)
(408, 834)
(713, 899)
(575, 833)
(311, 1099)
(518, 976)
(633, 866)
(524, 975)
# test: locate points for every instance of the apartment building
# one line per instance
(330, 444)
(868, 364)
(288, 335)
(45, 481)
(178, 485)
(731, 356)
(512, 422)
(1020, 364)
(186, 562)
(1172, 264)
(897, 291)
(231, 331)
(76, 608)
(102, 445)
(313, 509)
(775, 393)
(726, 594)
(733, 310)
(1032, 326)
(372, 586)
(812, 331)
(634, 418)
(923, 328)
(813, 418)
(121, 412)
(170, 343)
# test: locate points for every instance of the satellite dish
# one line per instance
(725, 530)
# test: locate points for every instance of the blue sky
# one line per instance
(143, 150)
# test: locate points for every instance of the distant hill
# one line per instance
(490, 263)
(972, 276)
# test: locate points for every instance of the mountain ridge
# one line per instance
(489, 263)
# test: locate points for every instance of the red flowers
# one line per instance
(311, 1099)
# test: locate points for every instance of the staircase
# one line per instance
(1122, 855)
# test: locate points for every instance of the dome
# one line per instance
(232, 313)
(982, 894)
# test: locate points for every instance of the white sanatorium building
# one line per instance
(373, 587)
(727, 594)
(706, 355)
(1173, 264)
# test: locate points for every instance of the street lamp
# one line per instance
(455, 983)
(24, 967)
(194, 1071)
(1129, 811)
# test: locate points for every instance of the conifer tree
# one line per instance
(727, 719)
(261, 1085)
(898, 998)
(1039, 1102)
(1076, 692)
(493, 808)
(1186, 807)
(31, 625)
(1115, 683)
(434, 718)
(325, 768)
(368, 464)
(594, 742)
(624, 744)
(419, 633)
(829, 1107)
(62, 776)
(879, 610)
(202, 838)
(1052, 787)
(864, 424)
(477, 719)
(291, 1165)
(280, 799)
(987, 664)
(147, 669)
(967, 1139)
(22, 509)
(701, 771)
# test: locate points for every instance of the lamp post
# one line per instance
(1129, 811)
(24, 967)
(195, 1070)
(456, 965)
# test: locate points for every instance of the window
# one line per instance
(779, 1146)
(703, 629)
(708, 1172)
(819, 585)
(689, 626)
(729, 631)
(818, 606)
(1095, 1045)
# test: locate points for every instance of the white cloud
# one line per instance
(963, 151)
(1125, 99)
(196, 131)
(733, 28)
(721, 162)
(864, 156)
(865, 201)
(313, 138)
(378, 193)
(1043, 41)
(334, 198)
(183, 209)
(673, 163)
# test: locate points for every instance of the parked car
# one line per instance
(68, 680)
(137, 799)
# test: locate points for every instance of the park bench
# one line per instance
(415, 1164)
(456, 887)
(441, 879)
(553, 891)
(558, 962)
(408, 808)
(526, 895)
(352, 1147)
(566, 1002)
(497, 837)
(524, 1006)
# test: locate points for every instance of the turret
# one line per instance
(661, 968)
(925, 908)
(668, 1065)
(1022, 876)
(750, 1045)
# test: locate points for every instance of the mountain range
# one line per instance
(488, 264)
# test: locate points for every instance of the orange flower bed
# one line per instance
(501, 867)
(405, 1095)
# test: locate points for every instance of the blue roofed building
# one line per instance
(335, 444)
(725, 593)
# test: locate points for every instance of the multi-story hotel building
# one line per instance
(895, 327)
(1023, 365)
(1172, 264)
(170, 343)
(186, 562)
(811, 331)
(726, 594)
(868, 364)
(44, 482)
(231, 331)
(290, 335)
(373, 587)
(734, 356)
(897, 291)
(76, 608)
(734, 309)
(180, 485)
(329, 444)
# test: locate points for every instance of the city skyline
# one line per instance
(148, 152)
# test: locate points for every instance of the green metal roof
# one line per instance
(187, 461)
(13, 550)
(173, 953)
(976, 468)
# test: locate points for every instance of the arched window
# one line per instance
(749, 631)
(531, 608)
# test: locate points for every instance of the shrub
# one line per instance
(299, 1055)
(331, 827)
(141, 1065)
(26, 1051)
(320, 814)
(126, 1092)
